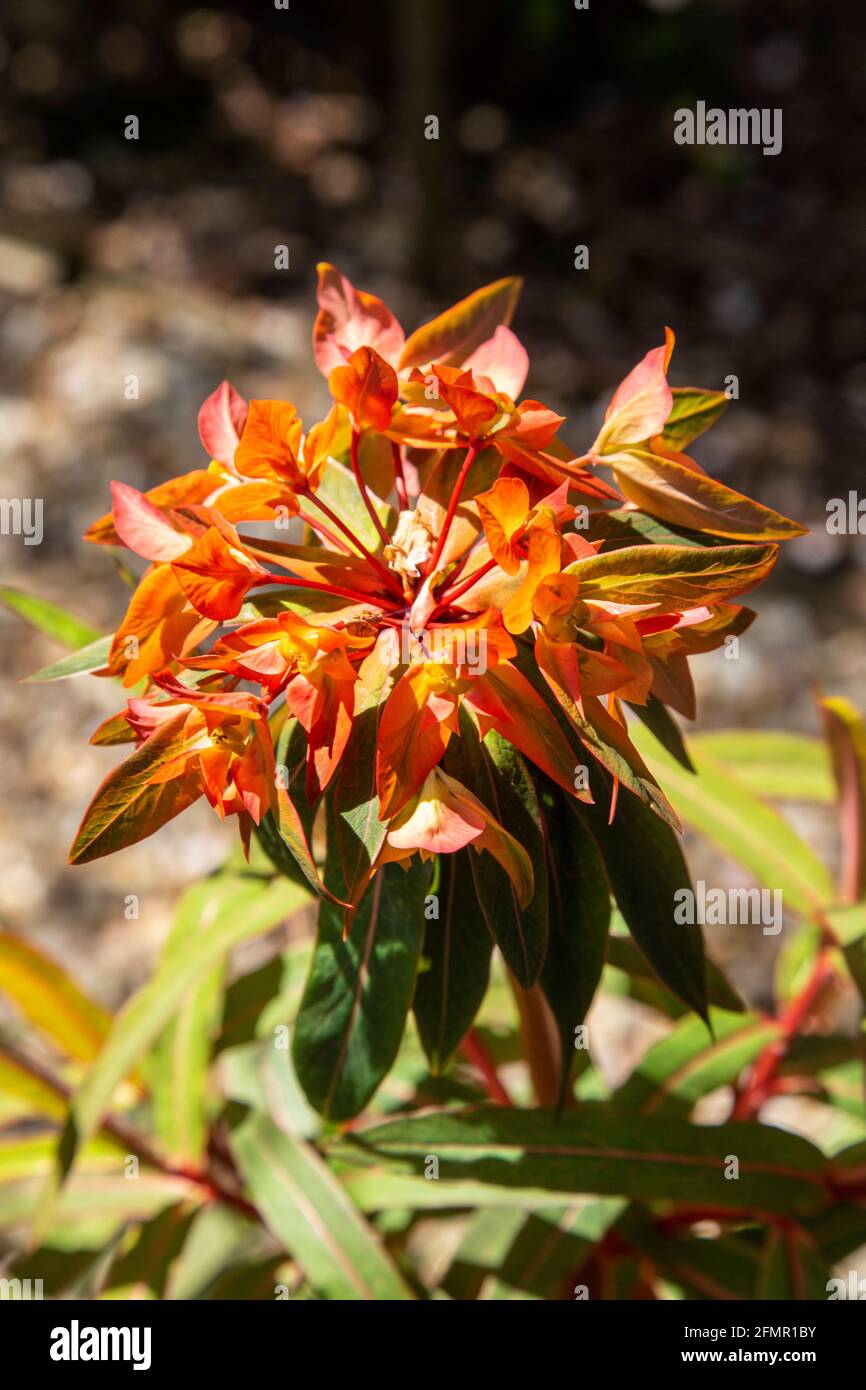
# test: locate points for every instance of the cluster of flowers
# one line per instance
(458, 567)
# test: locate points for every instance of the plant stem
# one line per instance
(325, 531)
(336, 589)
(371, 559)
(752, 1096)
(471, 455)
(399, 476)
(540, 1042)
(452, 595)
(475, 1052)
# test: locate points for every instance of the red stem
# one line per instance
(389, 578)
(471, 455)
(756, 1090)
(337, 589)
(399, 476)
(475, 1052)
(452, 595)
(362, 488)
(325, 531)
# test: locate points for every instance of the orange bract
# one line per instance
(464, 576)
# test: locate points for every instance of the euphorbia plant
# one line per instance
(419, 705)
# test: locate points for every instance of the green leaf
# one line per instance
(30, 1084)
(790, 1267)
(846, 735)
(579, 922)
(497, 774)
(249, 908)
(720, 807)
(599, 1150)
(550, 1249)
(310, 1213)
(693, 411)
(455, 966)
(774, 764)
(359, 991)
(454, 335)
(47, 617)
(685, 497)
(340, 491)
(52, 1002)
(664, 727)
(86, 659)
(684, 1066)
(128, 806)
(181, 1056)
(142, 1271)
(623, 954)
(673, 577)
(646, 868)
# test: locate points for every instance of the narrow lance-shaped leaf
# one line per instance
(498, 776)
(49, 618)
(309, 1211)
(579, 921)
(359, 990)
(846, 734)
(683, 496)
(599, 1149)
(646, 870)
(719, 806)
(692, 412)
(673, 577)
(455, 962)
(51, 1000)
(453, 336)
(249, 908)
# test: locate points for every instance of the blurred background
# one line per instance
(305, 127)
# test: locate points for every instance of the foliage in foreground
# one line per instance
(194, 1167)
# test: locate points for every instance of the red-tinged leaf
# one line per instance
(128, 806)
(845, 731)
(159, 626)
(534, 425)
(502, 360)
(143, 527)
(673, 578)
(215, 575)
(367, 386)
(665, 488)
(320, 565)
(554, 464)
(188, 489)
(641, 404)
(603, 735)
(692, 412)
(452, 337)
(503, 700)
(349, 319)
(221, 422)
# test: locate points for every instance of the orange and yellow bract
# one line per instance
(461, 569)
